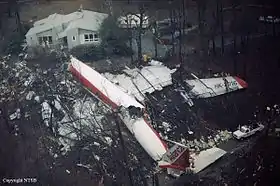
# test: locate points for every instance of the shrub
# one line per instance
(14, 46)
(113, 38)
(35, 52)
(88, 52)
(122, 50)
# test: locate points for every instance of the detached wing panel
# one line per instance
(211, 87)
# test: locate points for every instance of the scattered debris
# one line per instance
(46, 113)
(30, 95)
(15, 115)
(37, 99)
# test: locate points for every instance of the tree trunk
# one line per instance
(234, 41)
(155, 43)
(264, 14)
(126, 166)
(200, 27)
(184, 18)
(214, 45)
(156, 181)
(155, 36)
(171, 15)
(129, 30)
(244, 69)
(1, 29)
(222, 28)
(218, 12)
(180, 36)
(18, 19)
(9, 10)
(140, 30)
(273, 28)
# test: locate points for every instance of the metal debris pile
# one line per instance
(52, 100)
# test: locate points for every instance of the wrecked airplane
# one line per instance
(125, 94)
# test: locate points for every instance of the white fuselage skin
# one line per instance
(143, 132)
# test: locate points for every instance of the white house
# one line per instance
(80, 27)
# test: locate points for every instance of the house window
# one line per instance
(95, 37)
(74, 38)
(45, 40)
(90, 37)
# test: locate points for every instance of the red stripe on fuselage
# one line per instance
(157, 134)
(172, 166)
(92, 88)
(105, 99)
(241, 82)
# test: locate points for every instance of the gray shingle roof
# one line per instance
(84, 19)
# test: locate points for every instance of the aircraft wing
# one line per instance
(211, 87)
(137, 82)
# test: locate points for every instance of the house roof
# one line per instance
(90, 21)
(84, 19)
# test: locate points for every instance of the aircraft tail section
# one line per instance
(211, 87)
(176, 160)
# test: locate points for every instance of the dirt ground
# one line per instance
(257, 166)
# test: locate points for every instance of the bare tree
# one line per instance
(155, 37)
(18, 20)
(222, 26)
(172, 24)
(201, 4)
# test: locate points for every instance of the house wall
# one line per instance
(81, 36)
(52, 32)
(70, 34)
(32, 40)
